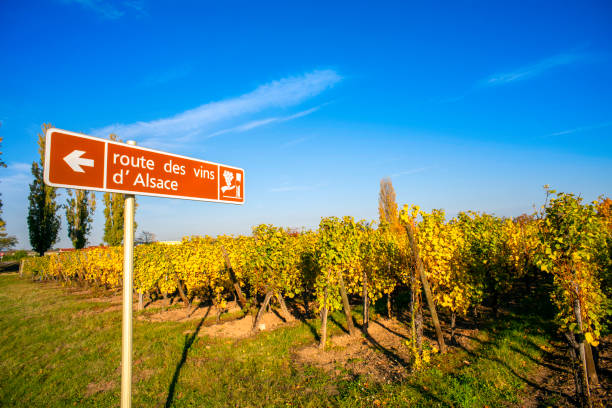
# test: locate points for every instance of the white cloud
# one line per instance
(294, 142)
(16, 176)
(581, 129)
(532, 70)
(15, 181)
(243, 128)
(195, 122)
(520, 74)
(108, 10)
(20, 167)
(137, 5)
(103, 8)
(261, 122)
(286, 188)
(301, 114)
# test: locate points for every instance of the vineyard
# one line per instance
(455, 267)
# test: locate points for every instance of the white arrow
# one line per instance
(75, 161)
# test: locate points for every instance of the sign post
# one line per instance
(74, 160)
(128, 271)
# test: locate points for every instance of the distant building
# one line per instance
(55, 251)
(14, 251)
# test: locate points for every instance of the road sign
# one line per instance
(74, 160)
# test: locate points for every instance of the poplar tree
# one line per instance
(80, 207)
(113, 214)
(113, 218)
(387, 207)
(43, 220)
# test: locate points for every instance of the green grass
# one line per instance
(60, 349)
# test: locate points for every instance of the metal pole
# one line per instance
(128, 270)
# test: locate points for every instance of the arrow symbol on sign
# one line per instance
(75, 161)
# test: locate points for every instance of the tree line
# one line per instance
(44, 211)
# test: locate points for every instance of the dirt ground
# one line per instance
(241, 328)
(175, 314)
(382, 355)
(236, 326)
(164, 310)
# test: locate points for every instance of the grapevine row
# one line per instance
(470, 259)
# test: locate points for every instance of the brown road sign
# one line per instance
(73, 160)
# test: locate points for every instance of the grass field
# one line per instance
(59, 348)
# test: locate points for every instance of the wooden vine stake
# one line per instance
(582, 354)
(324, 321)
(586, 354)
(453, 326)
(426, 289)
(241, 298)
(262, 309)
(366, 309)
(389, 312)
(181, 290)
(346, 306)
(575, 365)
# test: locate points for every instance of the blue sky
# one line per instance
(465, 105)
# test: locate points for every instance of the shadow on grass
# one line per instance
(526, 313)
(304, 317)
(430, 396)
(543, 363)
(9, 267)
(337, 323)
(524, 379)
(189, 340)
